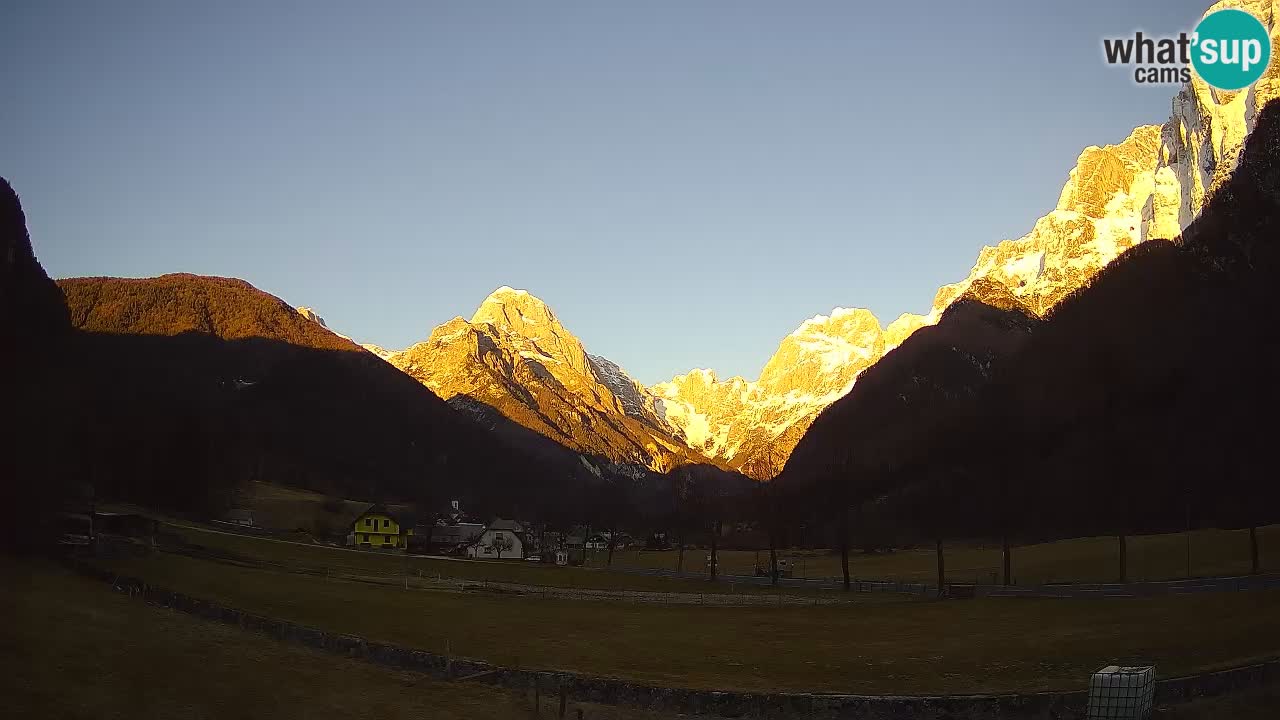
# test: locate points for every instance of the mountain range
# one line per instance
(1142, 402)
(183, 381)
(515, 358)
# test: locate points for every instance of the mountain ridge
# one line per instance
(515, 356)
(1149, 185)
(1142, 403)
(215, 368)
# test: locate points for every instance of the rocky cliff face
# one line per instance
(1201, 143)
(515, 357)
(753, 425)
(1097, 217)
(1151, 185)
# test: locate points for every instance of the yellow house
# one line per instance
(378, 528)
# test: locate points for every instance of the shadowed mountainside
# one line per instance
(1143, 402)
(198, 384)
(34, 333)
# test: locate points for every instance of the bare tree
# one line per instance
(767, 512)
(613, 541)
(500, 543)
(840, 505)
(716, 525)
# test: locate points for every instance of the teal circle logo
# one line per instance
(1232, 49)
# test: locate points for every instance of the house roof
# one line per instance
(508, 525)
(402, 519)
(460, 533)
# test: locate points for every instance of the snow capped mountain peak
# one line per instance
(510, 298)
(748, 422)
(821, 323)
(313, 316)
(514, 356)
(380, 351)
(526, 316)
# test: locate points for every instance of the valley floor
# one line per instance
(1092, 559)
(882, 647)
(74, 649)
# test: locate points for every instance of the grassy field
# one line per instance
(1093, 559)
(73, 649)
(902, 647)
(1083, 559)
(1253, 704)
(319, 557)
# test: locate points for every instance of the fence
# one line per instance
(1031, 706)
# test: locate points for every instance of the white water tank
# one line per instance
(1118, 691)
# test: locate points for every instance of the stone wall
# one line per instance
(612, 691)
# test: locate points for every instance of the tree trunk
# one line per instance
(680, 557)
(586, 538)
(844, 546)
(715, 542)
(613, 541)
(1253, 550)
(1124, 559)
(1008, 561)
(942, 569)
(773, 557)
(773, 560)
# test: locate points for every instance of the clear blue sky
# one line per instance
(683, 182)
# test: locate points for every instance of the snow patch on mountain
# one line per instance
(380, 351)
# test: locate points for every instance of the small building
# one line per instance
(500, 539)
(240, 517)
(377, 528)
(600, 541)
(452, 539)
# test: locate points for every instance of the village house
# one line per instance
(452, 539)
(377, 528)
(600, 541)
(500, 539)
